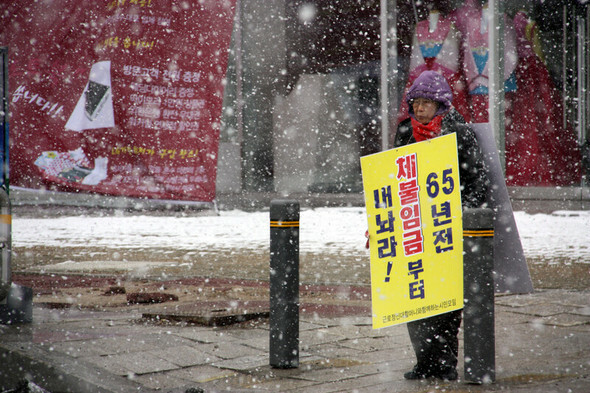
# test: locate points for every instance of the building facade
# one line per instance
(304, 101)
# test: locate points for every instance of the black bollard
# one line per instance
(478, 322)
(16, 301)
(284, 284)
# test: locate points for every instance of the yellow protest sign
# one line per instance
(413, 203)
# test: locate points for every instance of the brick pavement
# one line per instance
(542, 345)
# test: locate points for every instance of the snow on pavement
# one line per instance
(545, 236)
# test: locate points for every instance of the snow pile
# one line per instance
(339, 230)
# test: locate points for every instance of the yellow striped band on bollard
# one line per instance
(284, 224)
(478, 233)
(6, 219)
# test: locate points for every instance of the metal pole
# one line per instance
(384, 77)
(585, 138)
(5, 209)
(16, 302)
(393, 82)
(496, 83)
(5, 245)
(478, 321)
(238, 55)
(581, 76)
(284, 284)
(564, 66)
(5, 118)
(388, 96)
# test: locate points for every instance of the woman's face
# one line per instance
(424, 109)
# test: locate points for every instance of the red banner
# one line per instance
(119, 97)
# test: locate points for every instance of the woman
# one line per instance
(429, 98)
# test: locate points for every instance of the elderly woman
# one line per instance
(429, 98)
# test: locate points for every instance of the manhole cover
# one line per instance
(219, 313)
(214, 317)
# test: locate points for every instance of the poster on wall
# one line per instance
(118, 97)
(413, 203)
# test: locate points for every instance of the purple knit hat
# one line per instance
(431, 85)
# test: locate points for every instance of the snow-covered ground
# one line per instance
(562, 234)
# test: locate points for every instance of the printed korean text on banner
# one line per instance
(119, 97)
(413, 204)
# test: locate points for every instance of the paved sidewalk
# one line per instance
(542, 345)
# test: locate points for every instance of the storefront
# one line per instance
(305, 90)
